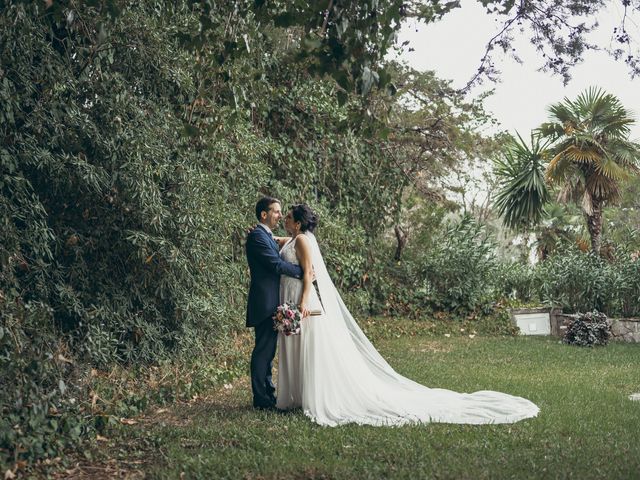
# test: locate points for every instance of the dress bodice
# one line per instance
(288, 252)
(291, 288)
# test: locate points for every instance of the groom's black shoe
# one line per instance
(269, 403)
(269, 407)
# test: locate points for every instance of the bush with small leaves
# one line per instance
(588, 329)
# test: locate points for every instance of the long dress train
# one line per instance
(335, 374)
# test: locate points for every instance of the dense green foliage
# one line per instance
(457, 272)
(583, 282)
(114, 245)
(136, 137)
(575, 281)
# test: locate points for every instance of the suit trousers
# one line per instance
(261, 364)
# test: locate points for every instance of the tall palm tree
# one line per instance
(591, 153)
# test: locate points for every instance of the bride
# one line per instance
(335, 374)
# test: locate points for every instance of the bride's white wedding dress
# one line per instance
(335, 374)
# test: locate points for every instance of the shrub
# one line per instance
(114, 246)
(577, 281)
(627, 286)
(588, 329)
(457, 273)
(517, 281)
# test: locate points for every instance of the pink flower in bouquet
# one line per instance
(286, 319)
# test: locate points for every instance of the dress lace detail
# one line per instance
(290, 288)
(291, 348)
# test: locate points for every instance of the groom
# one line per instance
(266, 266)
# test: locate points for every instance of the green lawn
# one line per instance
(587, 427)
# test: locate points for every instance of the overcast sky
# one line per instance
(454, 46)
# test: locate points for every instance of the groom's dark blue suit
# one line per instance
(266, 266)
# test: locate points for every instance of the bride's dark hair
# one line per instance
(307, 217)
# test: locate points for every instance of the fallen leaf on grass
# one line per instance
(62, 358)
(128, 421)
(94, 400)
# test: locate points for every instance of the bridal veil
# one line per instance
(346, 380)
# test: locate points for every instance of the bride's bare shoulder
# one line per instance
(302, 242)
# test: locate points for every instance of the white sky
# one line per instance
(453, 48)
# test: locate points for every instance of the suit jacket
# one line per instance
(266, 266)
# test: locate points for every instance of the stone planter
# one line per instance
(622, 329)
(559, 322)
(532, 321)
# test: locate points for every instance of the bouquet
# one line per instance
(287, 319)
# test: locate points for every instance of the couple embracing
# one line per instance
(331, 370)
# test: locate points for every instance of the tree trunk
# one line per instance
(401, 237)
(594, 225)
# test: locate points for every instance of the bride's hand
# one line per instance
(281, 241)
(304, 311)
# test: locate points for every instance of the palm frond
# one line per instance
(551, 130)
(523, 192)
(607, 167)
(602, 188)
(617, 128)
(582, 155)
(626, 153)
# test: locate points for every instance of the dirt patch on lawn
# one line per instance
(432, 346)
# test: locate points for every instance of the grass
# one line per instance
(587, 427)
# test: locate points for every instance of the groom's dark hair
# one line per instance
(264, 204)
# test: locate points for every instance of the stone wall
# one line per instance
(559, 322)
(626, 329)
(622, 329)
